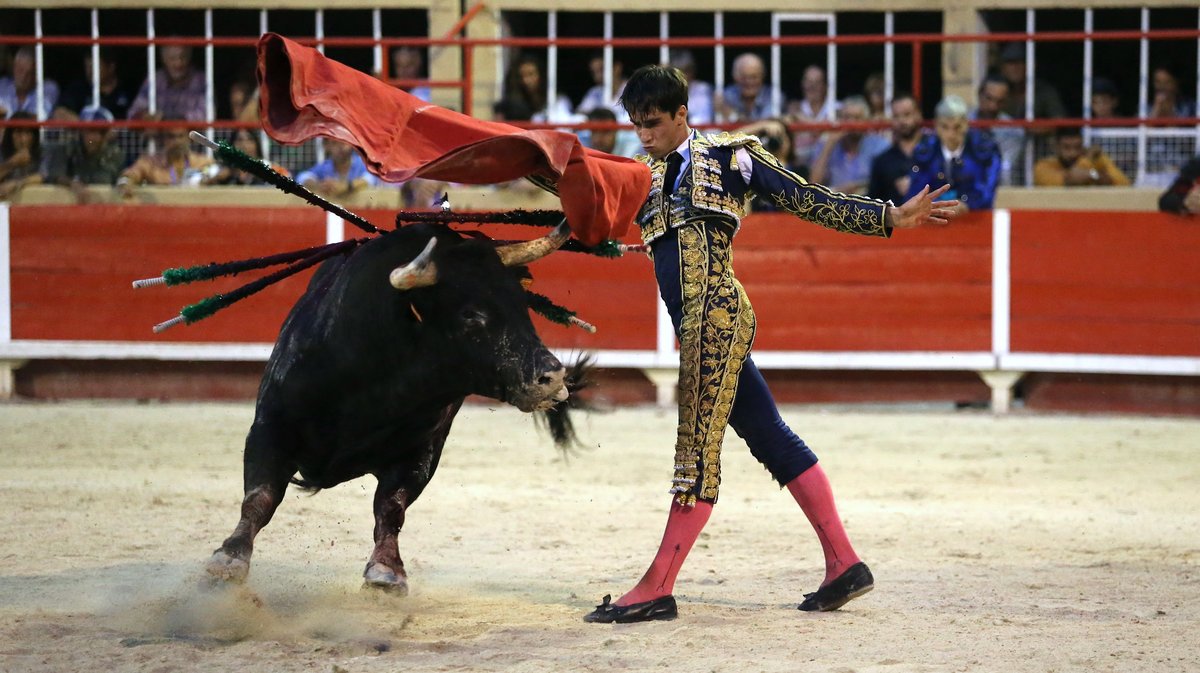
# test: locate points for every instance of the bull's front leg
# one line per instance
(399, 487)
(385, 569)
(266, 477)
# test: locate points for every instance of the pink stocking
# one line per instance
(683, 527)
(812, 492)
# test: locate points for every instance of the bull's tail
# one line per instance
(558, 419)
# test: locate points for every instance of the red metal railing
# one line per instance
(916, 41)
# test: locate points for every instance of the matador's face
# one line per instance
(661, 132)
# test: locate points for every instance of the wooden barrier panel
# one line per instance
(1100, 283)
(1111, 283)
(72, 267)
(819, 290)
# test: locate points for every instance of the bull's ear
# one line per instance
(515, 254)
(421, 272)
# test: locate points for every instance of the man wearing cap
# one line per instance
(1046, 101)
(91, 159)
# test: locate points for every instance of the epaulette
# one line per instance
(730, 139)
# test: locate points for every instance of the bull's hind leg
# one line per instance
(398, 488)
(266, 477)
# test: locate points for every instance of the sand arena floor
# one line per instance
(1027, 543)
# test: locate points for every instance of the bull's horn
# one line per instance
(421, 272)
(515, 254)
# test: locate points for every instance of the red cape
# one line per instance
(304, 95)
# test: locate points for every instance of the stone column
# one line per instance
(445, 63)
(962, 62)
(485, 68)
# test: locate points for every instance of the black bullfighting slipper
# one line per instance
(856, 581)
(607, 613)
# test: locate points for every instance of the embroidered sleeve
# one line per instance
(813, 202)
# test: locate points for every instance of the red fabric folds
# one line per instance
(304, 95)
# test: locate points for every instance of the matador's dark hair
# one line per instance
(654, 87)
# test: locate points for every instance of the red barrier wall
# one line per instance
(72, 267)
(1119, 283)
(821, 290)
(1114, 283)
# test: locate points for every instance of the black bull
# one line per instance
(367, 379)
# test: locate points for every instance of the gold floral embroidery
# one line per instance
(716, 332)
(702, 183)
(821, 205)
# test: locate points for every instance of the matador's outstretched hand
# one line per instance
(922, 209)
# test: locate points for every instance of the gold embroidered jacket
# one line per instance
(713, 187)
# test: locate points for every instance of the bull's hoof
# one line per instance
(225, 568)
(382, 578)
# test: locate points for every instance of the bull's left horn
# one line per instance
(515, 254)
(421, 272)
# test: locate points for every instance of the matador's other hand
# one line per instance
(922, 209)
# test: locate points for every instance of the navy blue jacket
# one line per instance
(972, 177)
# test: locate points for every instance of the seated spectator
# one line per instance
(597, 96)
(776, 138)
(815, 106)
(956, 155)
(19, 92)
(341, 174)
(613, 141)
(875, 93)
(20, 157)
(1106, 98)
(1047, 103)
(993, 95)
(247, 142)
(700, 93)
(173, 164)
(525, 95)
(241, 96)
(421, 194)
(409, 63)
(1183, 196)
(91, 158)
(891, 171)
(115, 97)
(843, 158)
(1119, 143)
(1074, 165)
(1167, 100)
(179, 89)
(747, 99)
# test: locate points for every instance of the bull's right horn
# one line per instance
(421, 272)
(516, 254)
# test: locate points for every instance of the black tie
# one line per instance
(674, 161)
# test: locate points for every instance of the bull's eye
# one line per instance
(474, 320)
